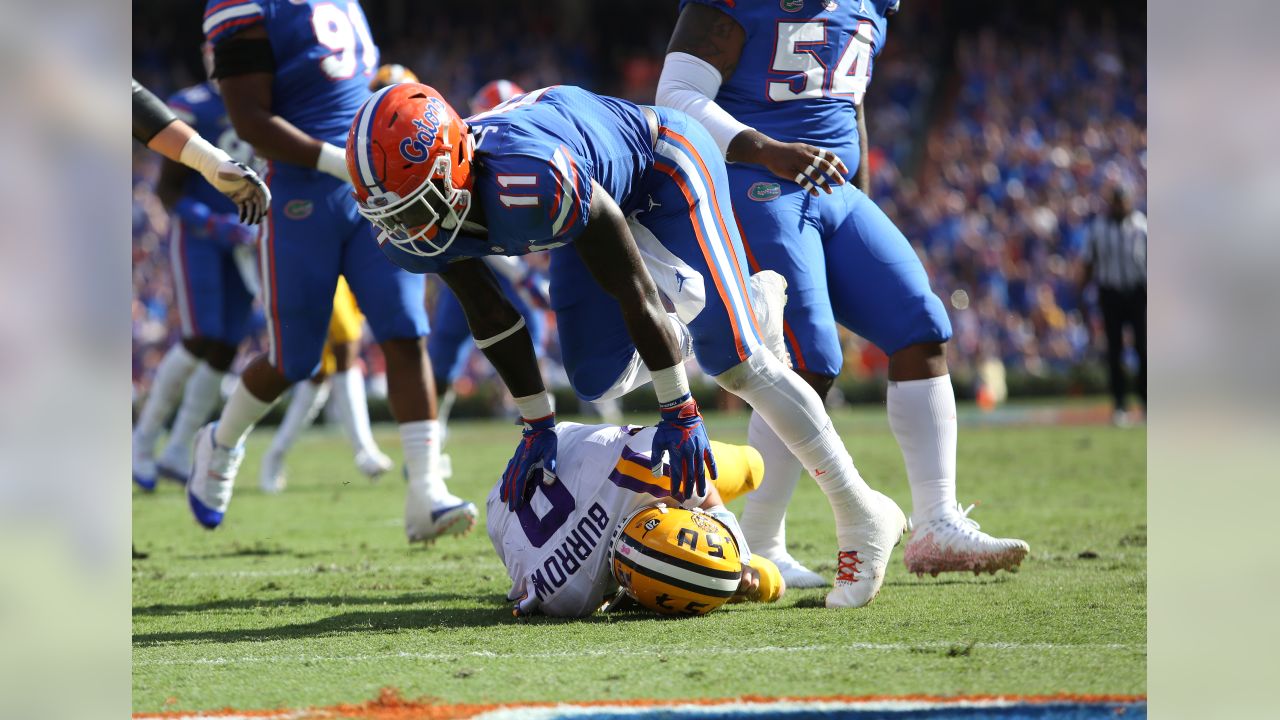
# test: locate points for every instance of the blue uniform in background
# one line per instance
(450, 344)
(802, 70)
(537, 156)
(213, 297)
(324, 58)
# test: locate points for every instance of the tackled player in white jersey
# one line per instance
(567, 549)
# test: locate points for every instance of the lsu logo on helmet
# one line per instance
(675, 561)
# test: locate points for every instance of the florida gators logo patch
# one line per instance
(298, 209)
(416, 148)
(764, 191)
(791, 5)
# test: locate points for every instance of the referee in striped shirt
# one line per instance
(1115, 258)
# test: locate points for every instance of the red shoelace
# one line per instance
(848, 569)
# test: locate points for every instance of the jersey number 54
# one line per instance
(799, 48)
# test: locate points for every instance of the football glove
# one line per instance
(682, 439)
(536, 452)
(240, 183)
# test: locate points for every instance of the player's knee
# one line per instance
(761, 368)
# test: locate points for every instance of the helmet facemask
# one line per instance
(413, 223)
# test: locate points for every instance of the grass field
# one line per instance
(313, 597)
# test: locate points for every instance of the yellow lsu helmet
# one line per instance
(675, 561)
(391, 74)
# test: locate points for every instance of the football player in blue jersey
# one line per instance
(779, 87)
(450, 344)
(640, 192)
(208, 247)
(293, 73)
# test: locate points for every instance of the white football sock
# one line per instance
(239, 415)
(922, 414)
(166, 390)
(421, 441)
(308, 398)
(763, 517)
(795, 412)
(199, 400)
(352, 408)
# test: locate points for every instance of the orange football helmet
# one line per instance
(390, 74)
(493, 94)
(409, 155)
(675, 561)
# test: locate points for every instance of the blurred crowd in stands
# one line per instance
(992, 146)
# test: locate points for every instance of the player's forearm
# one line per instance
(750, 146)
(497, 327)
(275, 138)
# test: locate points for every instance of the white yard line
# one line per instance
(616, 652)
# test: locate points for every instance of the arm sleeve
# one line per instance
(690, 84)
(150, 116)
(224, 18)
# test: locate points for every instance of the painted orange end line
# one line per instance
(390, 706)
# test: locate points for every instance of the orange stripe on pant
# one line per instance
(707, 254)
(724, 230)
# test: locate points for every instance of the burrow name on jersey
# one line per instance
(566, 559)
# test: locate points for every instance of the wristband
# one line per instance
(333, 161)
(671, 386)
(202, 157)
(535, 407)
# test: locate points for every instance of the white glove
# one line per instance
(230, 177)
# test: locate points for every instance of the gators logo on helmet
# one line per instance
(409, 155)
(685, 564)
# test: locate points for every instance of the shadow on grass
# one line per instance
(405, 617)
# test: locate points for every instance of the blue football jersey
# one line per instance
(804, 66)
(536, 157)
(325, 57)
(200, 106)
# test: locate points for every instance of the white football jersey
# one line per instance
(556, 548)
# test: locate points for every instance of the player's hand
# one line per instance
(682, 439)
(812, 168)
(240, 183)
(535, 456)
(748, 586)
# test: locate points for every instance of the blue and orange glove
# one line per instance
(682, 438)
(534, 457)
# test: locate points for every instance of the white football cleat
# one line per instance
(427, 522)
(795, 574)
(860, 569)
(953, 542)
(768, 292)
(271, 476)
(373, 463)
(213, 476)
(144, 464)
